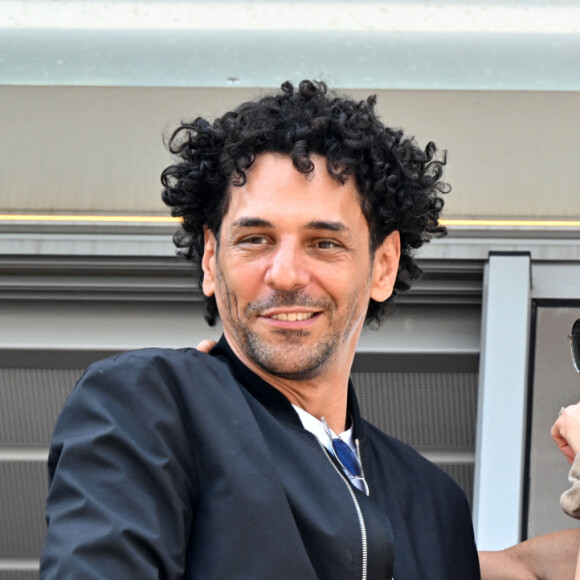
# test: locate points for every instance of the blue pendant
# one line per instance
(346, 457)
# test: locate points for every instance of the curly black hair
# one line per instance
(398, 182)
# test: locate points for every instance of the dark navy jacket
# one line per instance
(173, 464)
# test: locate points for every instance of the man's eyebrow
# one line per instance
(255, 222)
(252, 222)
(326, 225)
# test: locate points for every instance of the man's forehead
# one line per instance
(266, 165)
(275, 191)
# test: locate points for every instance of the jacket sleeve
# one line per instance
(121, 476)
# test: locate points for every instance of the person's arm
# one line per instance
(549, 557)
(122, 477)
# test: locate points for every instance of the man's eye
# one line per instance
(254, 240)
(326, 245)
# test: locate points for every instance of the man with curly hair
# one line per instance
(302, 212)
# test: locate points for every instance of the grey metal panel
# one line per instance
(97, 325)
(22, 498)
(98, 278)
(500, 446)
(99, 149)
(103, 244)
(426, 410)
(424, 362)
(31, 400)
(425, 329)
(543, 244)
(18, 574)
(22, 358)
(556, 281)
(555, 383)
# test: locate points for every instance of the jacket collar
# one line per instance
(271, 397)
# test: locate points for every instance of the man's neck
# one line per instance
(325, 395)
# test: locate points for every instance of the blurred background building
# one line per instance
(473, 365)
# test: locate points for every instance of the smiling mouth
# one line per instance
(293, 316)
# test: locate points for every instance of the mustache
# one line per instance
(286, 298)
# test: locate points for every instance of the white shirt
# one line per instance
(316, 427)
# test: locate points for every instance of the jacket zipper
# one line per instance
(361, 521)
(362, 469)
(364, 479)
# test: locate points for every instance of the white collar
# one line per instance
(315, 426)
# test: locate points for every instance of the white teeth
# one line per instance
(293, 316)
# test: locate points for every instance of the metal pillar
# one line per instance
(500, 442)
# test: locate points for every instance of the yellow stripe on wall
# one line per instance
(147, 219)
(88, 218)
(511, 223)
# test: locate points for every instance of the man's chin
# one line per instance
(285, 362)
(296, 373)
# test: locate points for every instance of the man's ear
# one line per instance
(208, 264)
(385, 267)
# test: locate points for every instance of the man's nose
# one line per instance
(288, 268)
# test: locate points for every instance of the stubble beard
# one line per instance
(298, 364)
(288, 354)
(290, 357)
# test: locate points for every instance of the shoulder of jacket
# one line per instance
(149, 354)
(155, 377)
(154, 366)
(154, 355)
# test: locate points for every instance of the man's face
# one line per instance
(293, 273)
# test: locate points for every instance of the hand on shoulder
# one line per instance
(206, 345)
